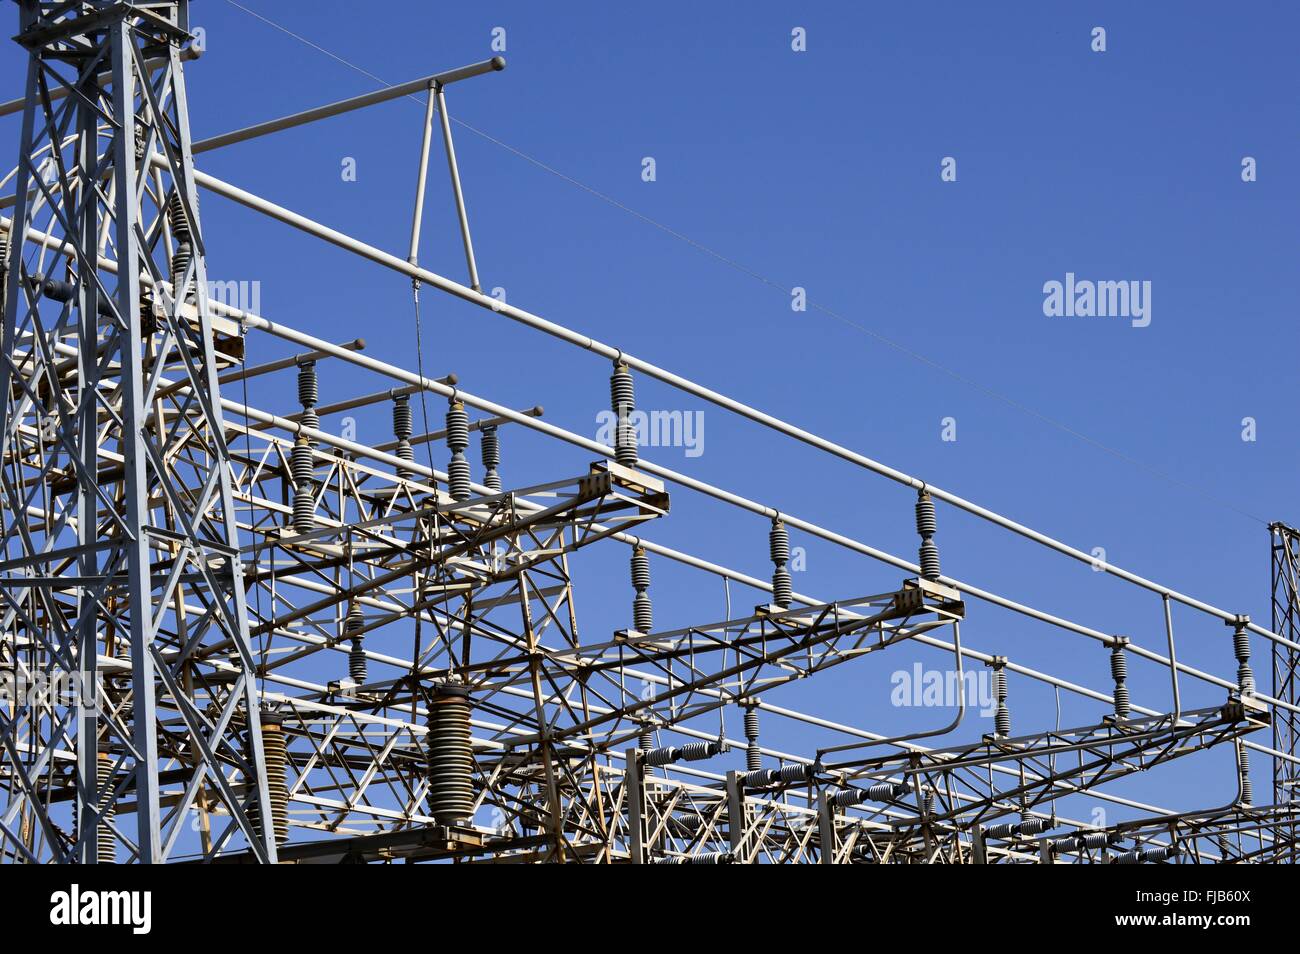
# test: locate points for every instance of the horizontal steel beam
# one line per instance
(436, 80)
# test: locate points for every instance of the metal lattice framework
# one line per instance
(279, 643)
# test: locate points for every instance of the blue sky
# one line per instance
(821, 169)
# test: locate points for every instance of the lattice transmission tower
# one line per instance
(237, 633)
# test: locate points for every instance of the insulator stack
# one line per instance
(1243, 770)
(490, 443)
(697, 751)
(926, 526)
(302, 469)
(687, 825)
(403, 428)
(276, 753)
(302, 465)
(308, 397)
(309, 418)
(779, 546)
(184, 253)
(793, 773)
(646, 739)
(759, 778)
(1026, 827)
(710, 858)
(181, 259)
(753, 755)
(664, 755)
(451, 759)
(176, 217)
(1241, 649)
(690, 752)
(884, 791)
(848, 797)
(927, 803)
(642, 611)
(1225, 847)
(458, 476)
(622, 395)
(1119, 673)
(1002, 715)
(352, 625)
(106, 848)
(1147, 855)
(1094, 840)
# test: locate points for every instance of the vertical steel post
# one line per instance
(635, 807)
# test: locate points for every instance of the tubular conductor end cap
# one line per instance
(498, 63)
(453, 378)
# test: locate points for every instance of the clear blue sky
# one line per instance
(821, 169)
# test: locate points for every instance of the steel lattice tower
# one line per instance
(1286, 623)
(112, 479)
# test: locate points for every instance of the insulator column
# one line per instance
(690, 752)
(352, 625)
(1241, 649)
(779, 546)
(642, 612)
(106, 847)
(1119, 673)
(403, 428)
(302, 468)
(451, 758)
(926, 527)
(184, 253)
(308, 397)
(1092, 840)
(1150, 855)
(490, 443)
(753, 755)
(276, 753)
(458, 476)
(1002, 716)
(646, 739)
(1243, 771)
(797, 772)
(622, 395)
(879, 792)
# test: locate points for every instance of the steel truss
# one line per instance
(290, 646)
